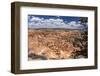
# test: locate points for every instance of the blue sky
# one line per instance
(65, 18)
(44, 21)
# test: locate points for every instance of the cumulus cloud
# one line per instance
(74, 23)
(36, 22)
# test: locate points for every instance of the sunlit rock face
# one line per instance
(56, 44)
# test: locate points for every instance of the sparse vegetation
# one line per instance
(57, 44)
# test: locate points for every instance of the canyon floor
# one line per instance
(55, 44)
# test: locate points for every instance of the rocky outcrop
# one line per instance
(57, 44)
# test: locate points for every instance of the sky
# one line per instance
(44, 21)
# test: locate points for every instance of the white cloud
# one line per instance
(35, 19)
(73, 23)
(36, 22)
